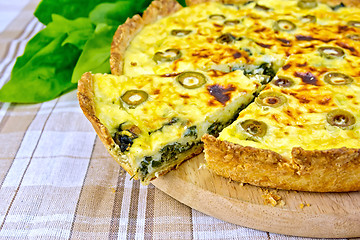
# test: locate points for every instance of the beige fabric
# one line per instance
(58, 182)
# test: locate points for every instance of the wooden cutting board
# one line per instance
(327, 215)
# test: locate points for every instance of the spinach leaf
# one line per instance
(96, 53)
(113, 13)
(70, 45)
(182, 2)
(108, 16)
(43, 71)
(70, 9)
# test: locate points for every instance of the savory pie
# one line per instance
(183, 74)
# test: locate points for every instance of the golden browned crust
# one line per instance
(354, 3)
(127, 31)
(85, 96)
(334, 170)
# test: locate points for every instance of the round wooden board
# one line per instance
(326, 215)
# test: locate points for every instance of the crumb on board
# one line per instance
(272, 198)
(302, 205)
(238, 183)
(202, 166)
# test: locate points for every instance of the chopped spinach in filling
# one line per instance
(262, 69)
(171, 122)
(169, 153)
(191, 132)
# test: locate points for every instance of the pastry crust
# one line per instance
(87, 103)
(127, 31)
(333, 170)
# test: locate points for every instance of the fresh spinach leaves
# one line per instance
(96, 53)
(77, 39)
(43, 72)
(70, 9)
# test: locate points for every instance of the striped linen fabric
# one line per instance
(58, 182)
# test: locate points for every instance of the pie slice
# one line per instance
(151, 123)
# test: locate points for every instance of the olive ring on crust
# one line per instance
(308, 19)
(231, 22)
(336, 78)
(262, 7)
(227, 38)
(217, 17)
(180, 32)
(307, 4)
(354, 24)
(270, 99)
(168, 55)
(331, 52)
(191, 80)
(340, 118)
(284, 25)
(254, 128)
(355, 37)
(134, 97)
(283, 82)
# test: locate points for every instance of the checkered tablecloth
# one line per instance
(58, 182)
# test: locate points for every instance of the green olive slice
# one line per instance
(191, 80)
(134, 97)
(307, 4)
(254, 128)
(261, 7)
(168, 55)
(231, 22)
(355, 37)
(308, 19)
(354, 24)
(180, 32)
(340, 118)
(336, 78)
(217, 17)
(227, 38)
(130, 127)
(284, 25)
(283, 82)
(331, 52)
(270, 99)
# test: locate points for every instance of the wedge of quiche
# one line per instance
(151, 123)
